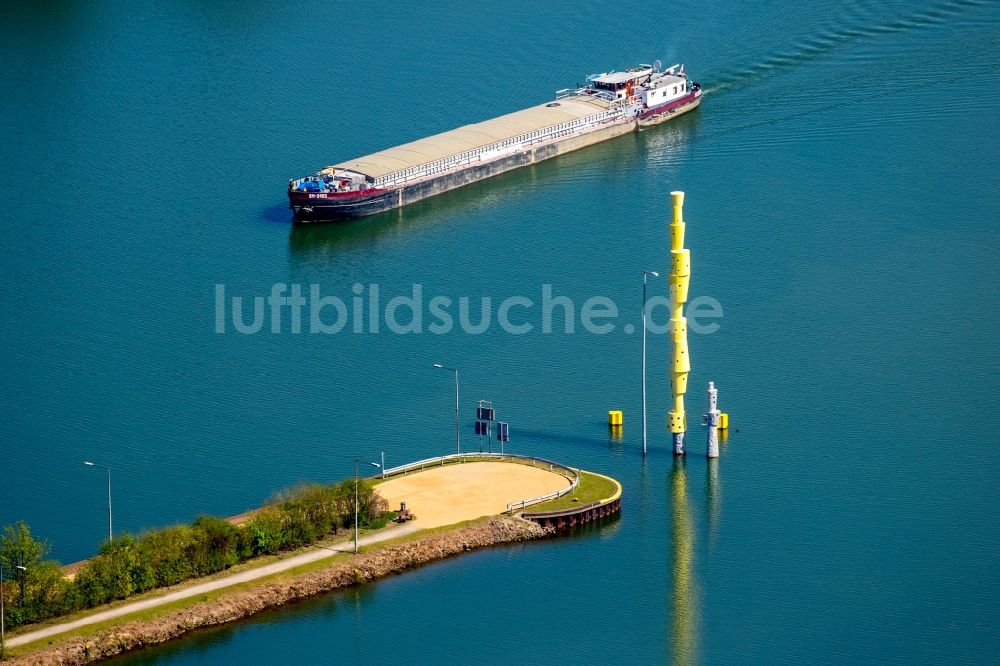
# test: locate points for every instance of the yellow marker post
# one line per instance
(680, 275)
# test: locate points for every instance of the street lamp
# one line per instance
(356, 505)
(3, 640)
(458, 439)
(90, 464)
(644, 276)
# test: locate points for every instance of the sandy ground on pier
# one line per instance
(453, 493)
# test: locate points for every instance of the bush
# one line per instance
(381, 521)
(371, 505)
(158, 558)
(118, 571)
(168, 553)
(266, 531)
(311, 511)
(217, 545)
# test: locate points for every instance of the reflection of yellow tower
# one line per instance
(683, 635)
(680, 275)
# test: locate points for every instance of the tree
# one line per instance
(18, 549)
(39, 590)
(371, 505)
(266, 531)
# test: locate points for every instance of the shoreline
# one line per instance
(229, 606)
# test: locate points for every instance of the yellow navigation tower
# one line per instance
(680, 275)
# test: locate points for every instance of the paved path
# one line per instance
(250, 574)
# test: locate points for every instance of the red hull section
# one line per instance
(669, 106)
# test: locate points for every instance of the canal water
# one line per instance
(842, 207)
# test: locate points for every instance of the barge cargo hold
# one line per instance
(610, 105)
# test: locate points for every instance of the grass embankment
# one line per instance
(170, 621)
(592, 488)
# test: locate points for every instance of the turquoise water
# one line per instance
(842, 207)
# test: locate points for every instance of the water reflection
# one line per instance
(199, 644)
(316, 248)
(615, 435)
(604, 529)
(713, 496)
(532, 437)
(683, 638)
(669, 144)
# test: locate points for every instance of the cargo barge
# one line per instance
(611, 104)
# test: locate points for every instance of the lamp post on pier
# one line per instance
(90, 464)
(645, 274)
(458, 437)
(356, 504)
(3, 628)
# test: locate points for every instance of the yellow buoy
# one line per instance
(723, 421)
(614, 418)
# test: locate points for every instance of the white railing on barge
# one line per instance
(499, 148)
(457, 458)
(606, 95)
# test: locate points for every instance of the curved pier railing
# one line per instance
(578, 515)
(455, 458)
